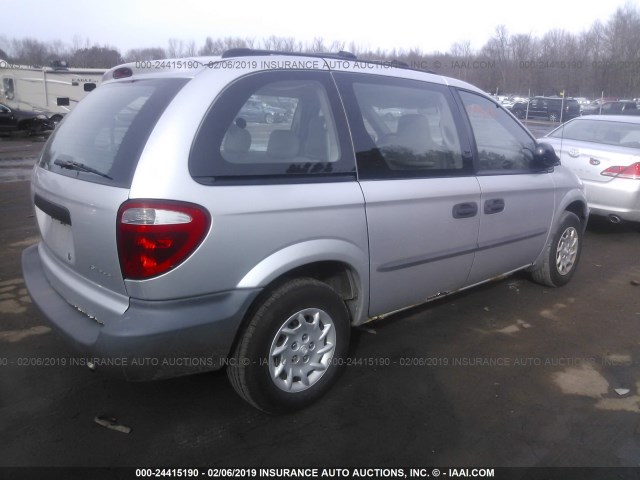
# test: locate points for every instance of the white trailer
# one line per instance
(51, 91)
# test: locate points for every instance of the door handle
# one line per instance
(465, 210)
(494, 205)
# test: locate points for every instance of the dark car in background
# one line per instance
(621, 107)
(14, 120)
(260, 112)
(594, 106)
(554, 109)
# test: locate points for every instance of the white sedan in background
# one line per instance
(604, 151)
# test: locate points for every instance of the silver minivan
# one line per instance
(180, 237)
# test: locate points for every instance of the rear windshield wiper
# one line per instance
(80, 167)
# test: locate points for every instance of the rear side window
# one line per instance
(264, 130)
(402, 128)
(273, 124)
(102, 139)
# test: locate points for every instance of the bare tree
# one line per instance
(281, 44)
(96, 57)
(175, 48)
(289, 44)
(622, 40)
(142, 54)
(336, 46)
(29, 51)
(59, 50)
(211, 47)
(498, 50)
(78, 42)
(461, 49)
(606, 57)
(5, 45)
(318, 46)
(190, 49)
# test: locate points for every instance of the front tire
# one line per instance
(293, 348)
(562, 254)
(35, 128)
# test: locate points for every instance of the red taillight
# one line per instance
(122, 72)
(632, 171)
(156, 236)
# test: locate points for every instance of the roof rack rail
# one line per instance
(251, 52)
(341, 55)
(389, 63)
(396, 64)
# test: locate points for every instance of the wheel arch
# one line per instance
(575, 203)
(342, 276)
(580, 209)
(338, 263)
(341, 264)
(339, 275)
(25, 124)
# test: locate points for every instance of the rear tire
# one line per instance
(562, 254)
(293, 348)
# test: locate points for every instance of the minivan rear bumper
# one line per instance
(151, 339)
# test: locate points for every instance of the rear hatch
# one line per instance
(82, 178)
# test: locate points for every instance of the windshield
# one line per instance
(101, 140)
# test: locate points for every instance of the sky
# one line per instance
(401, 24)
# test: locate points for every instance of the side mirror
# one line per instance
(545, 156)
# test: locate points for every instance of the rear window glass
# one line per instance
(102, 139)
(273, 125)
(264, 131)
(597, 131)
